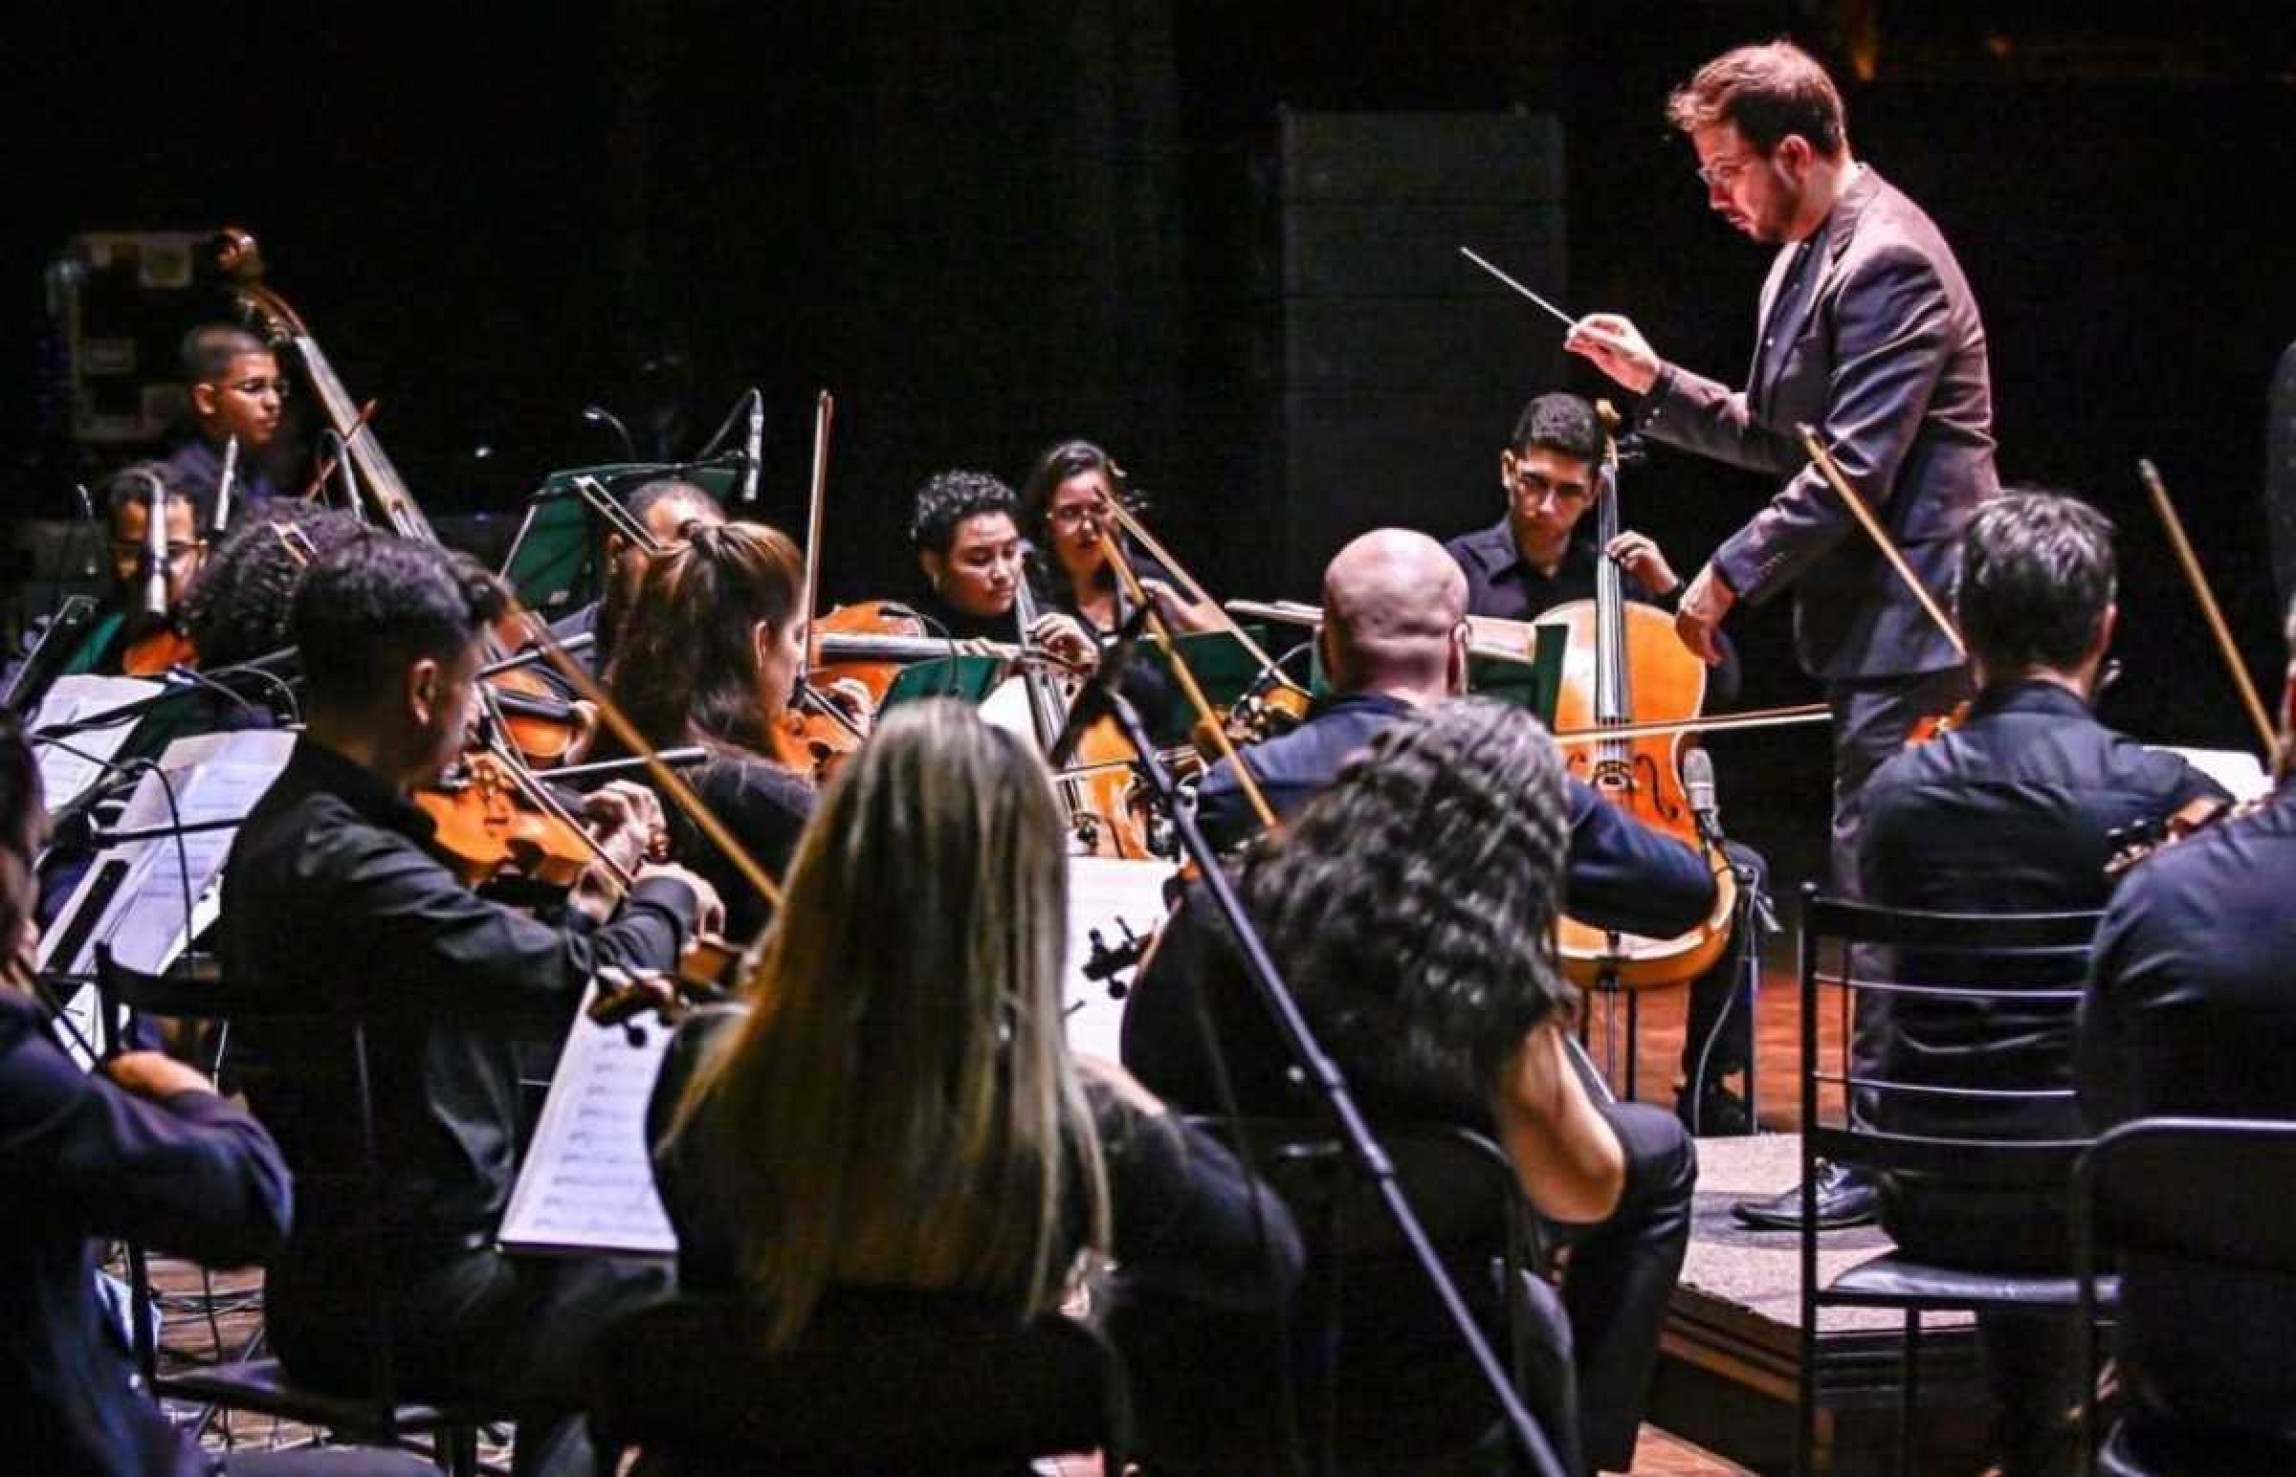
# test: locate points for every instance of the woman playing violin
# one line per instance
(899, 1106)
(708, 654)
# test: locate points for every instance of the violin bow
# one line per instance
(1823, 460)
(1130, 522)
(2185, 556)
(1162, 635)
(626, 733)
(816, 518)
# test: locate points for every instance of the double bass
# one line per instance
(1625, 667)
(539, 726)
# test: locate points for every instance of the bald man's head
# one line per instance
(1393, 604)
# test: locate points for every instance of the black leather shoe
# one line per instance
(1845, 1198)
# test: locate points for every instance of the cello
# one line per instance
(539, 726)
(1625, 666)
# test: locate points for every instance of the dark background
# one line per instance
(990, 227)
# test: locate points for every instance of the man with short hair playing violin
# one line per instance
(336, 898)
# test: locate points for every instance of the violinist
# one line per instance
(152, 568)
(2188, 1012)
(336, 897)
(233, 389)
(709, 655)
(1394, 639)
(964, 527)
(1539, 556)
(2008, 812)
(907, 1113)
(1064, 505)
(664, 507)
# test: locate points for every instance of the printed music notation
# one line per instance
(1102, 891)
(588, 1181)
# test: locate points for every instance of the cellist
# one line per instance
(965, 529)
(1064, 505)
(1539, 556)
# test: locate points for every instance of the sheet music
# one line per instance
(587, 1184)
(1102, 890)
(2236, 769)
(217, 776)
(64, 775)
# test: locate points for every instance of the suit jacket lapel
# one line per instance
(1793, 314)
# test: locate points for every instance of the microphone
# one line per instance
(1098, 698)
(753, 450)
(599, 415)
(1698, 780)
(152, 571)
(223, 481)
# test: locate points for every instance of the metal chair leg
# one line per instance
(1909, 1394)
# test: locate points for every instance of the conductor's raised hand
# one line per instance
(1617, 348)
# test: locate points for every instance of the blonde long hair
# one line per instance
(899, 1107)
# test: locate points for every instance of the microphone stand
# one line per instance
(1320, 1070)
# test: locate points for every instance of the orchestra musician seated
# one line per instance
(893, 1103)
(1394, 639)
(965, 531)
(1411, 907)
(232, 388)
(1540, 555)
(336, 897)
(142, 1148)
(137, 605)
(2188, 1013)
(664, 507)
(2009, 811)
(1065, 505)
(708, 655)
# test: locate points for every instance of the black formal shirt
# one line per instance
(2191, 1006)
(1620, 874)
(1503, 584)
(1188, 1220)
(2191, 1010)
(765, 807)
(82, 1159)
(2008, 813)
(333, 899)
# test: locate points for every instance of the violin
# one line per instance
(2142, 840)
(543, 730)
(1625, 664)
(151, 655)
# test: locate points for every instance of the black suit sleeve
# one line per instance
(1625, 876)
(189, 1174)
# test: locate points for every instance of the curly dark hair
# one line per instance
(1413, 903)
(240, 607)
(948, 499)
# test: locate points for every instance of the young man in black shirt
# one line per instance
(334, 899)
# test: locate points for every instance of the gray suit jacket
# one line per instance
(1877, 343)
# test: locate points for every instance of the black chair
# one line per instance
(2204, 1255)
(195, 990)
(1993, 949)
(881, 1380)
(1467, 1196)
